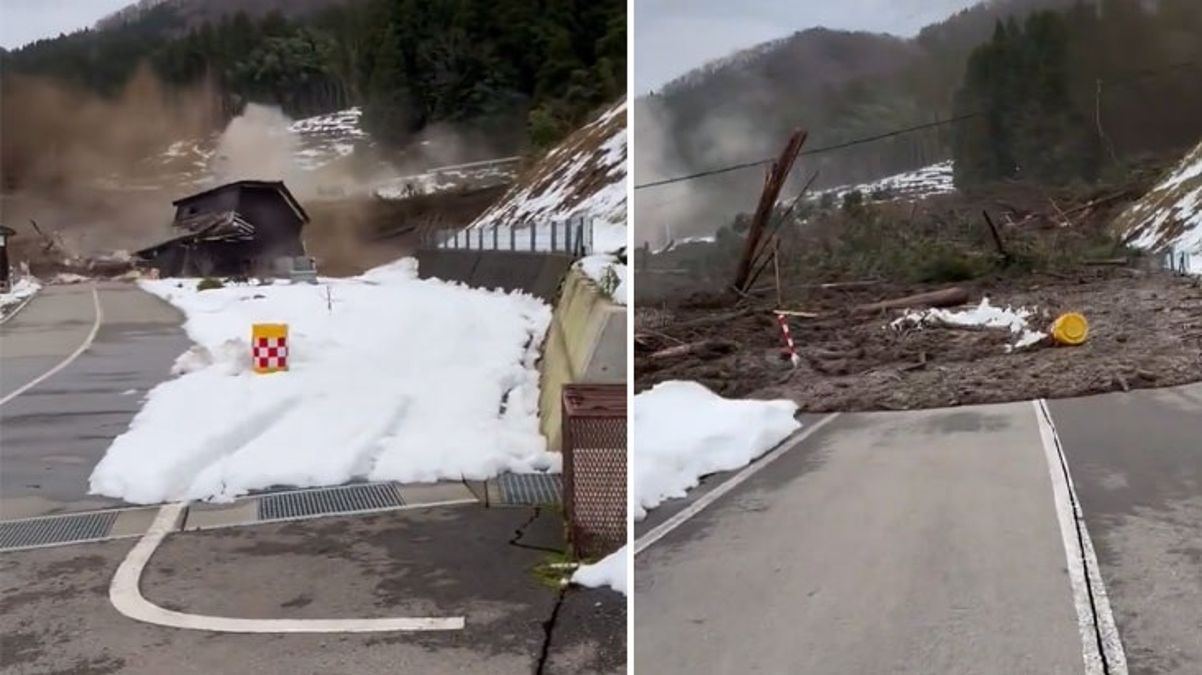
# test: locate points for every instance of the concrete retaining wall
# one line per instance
(536, 273)
(586, 342)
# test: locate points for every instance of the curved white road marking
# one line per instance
(1089, 593)
(127, 599)
(661, 530)
(99, 316)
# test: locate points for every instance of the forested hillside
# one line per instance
(541, 67)
(1063, 95)
(845, 86)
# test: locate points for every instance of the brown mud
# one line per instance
(1145, 331)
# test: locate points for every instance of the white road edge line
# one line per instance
(661, 530)
(16, 310)
(127, 598)
(1070, 517)
(67, 361)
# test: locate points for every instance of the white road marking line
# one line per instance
(8, 317)
(661, 530)
(127, 598)
(1089, 593)
(67, 361)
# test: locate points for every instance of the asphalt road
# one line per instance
(52, 435)
(927, 542)
(55, 615)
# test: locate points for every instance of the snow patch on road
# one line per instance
(683, 431)
(609, 571)
(396, 378)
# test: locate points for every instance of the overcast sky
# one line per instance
(672, 37)
(23, 21)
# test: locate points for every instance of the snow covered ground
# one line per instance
(21, 291)
(609, 571)
(935, 179)
(683, 431)
(391, 378)
(984, 315)
(1168, 219)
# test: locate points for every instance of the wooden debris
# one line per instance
(944, 297)
(997, 239)
(700, 346)
(802, 315)
(778, 172)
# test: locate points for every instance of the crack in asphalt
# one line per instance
(549, 624)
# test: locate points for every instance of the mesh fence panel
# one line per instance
(594, 467)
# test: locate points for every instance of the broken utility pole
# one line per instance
(778, 172)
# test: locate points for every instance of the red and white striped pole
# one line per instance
(790, 349)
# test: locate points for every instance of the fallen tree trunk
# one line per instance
(944, 297)
(700, 346)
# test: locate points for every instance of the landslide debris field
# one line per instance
(1058, 252)
(1145, 331)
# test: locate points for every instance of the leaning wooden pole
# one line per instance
(774, 181)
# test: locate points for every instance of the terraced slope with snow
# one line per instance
(1169, 218)
(935, 179)
(583, 175)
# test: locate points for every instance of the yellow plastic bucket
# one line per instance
(269, 347)
(1070, 329)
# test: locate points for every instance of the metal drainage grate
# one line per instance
(346, 499)
(56, 529)
(530, 488)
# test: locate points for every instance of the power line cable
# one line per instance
(1138, 75)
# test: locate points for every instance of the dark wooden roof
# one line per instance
(217, 225)
(276, 185)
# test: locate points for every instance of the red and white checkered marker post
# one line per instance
(269, 347)
(790, 350)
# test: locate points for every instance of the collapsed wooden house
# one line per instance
(244, 228)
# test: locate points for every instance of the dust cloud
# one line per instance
(80, 164)
(692, 207)
(99, 173)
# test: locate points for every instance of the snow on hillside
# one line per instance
(583, 175)
(390, 378)
(328, 155)
(488, 173)
(935, 179)
(1168, 219)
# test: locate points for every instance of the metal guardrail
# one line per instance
(594, 467)
(573, 237)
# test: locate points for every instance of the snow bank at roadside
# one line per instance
(609, 571)
(391, 378)
(984, 315)
(683, 431)
(19, 293)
